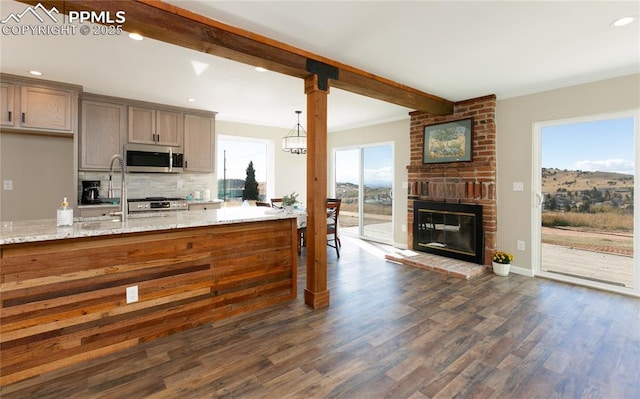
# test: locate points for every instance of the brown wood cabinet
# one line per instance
(64, 301)
(33, 105)
(103, 132)
(199, 143)
(155, 126)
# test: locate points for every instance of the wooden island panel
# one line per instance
(64, 301)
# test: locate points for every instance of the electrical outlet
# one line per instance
(132, 294)
(179, 184)
(520, 245)
(518, 186)
(7, 185)
(404, 228)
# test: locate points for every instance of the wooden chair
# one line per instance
(333, 211)
(277, 203)
(263, 204)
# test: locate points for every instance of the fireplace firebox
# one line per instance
(449, 229)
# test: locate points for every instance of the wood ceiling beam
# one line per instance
(165, 22)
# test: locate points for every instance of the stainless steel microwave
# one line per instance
(154, 158)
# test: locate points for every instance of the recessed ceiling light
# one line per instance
(624, 21)
(135, 36)
(191, 100)
(261, 69)
(36, 73)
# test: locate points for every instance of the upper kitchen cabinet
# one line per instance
(199, 142)
(155, 126)
(38, 106)
(103, 131)
(6, 104)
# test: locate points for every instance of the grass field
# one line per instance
(606, 221)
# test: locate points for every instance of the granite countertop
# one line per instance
(46, 229)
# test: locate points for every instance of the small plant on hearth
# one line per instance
(502, 257)
(290, 200)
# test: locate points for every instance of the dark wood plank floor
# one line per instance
(392, 331)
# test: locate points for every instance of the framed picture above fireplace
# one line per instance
(448, 142)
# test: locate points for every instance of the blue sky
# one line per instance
(378, 165)
(239, 153)
(605, 145)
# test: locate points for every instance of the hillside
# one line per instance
(554, 180)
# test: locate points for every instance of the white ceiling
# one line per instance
(452, 49)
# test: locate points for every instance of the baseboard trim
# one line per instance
(521, 270)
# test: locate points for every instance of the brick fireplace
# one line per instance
(471, 182)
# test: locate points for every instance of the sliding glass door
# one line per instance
(364, 180)
(586, 197)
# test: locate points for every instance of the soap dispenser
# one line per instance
(65, 214)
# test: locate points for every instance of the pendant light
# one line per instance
(295, 141)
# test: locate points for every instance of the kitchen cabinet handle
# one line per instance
(24, 117)
(9, 116)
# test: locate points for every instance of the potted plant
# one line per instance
(288, 201)
(501, 262)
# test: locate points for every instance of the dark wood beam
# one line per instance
(174, 25)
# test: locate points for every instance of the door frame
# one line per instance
(537, 199)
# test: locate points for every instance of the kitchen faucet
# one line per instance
(123, 188)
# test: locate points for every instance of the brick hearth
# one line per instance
(438, 264)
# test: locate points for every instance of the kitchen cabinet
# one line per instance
(155, 126)
(7, 101)
(33, 105)
(103, 130)
(203, 206)
(199, 143)
(64, 298)
(88, 211)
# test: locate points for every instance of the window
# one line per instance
(234, 155)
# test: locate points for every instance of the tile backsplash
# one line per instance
(140, 185)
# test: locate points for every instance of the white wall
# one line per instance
(396, 132)
(515, 118)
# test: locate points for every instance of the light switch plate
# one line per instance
(518, 186)
(520, 245)
(7, 185)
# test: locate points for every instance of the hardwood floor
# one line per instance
(392, 331)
